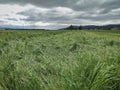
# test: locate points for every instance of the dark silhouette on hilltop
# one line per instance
(93, 27)
(71, 27)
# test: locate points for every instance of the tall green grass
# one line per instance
(59, 60)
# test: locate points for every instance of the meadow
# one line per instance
(60, 60)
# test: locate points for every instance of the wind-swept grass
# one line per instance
(59, 60)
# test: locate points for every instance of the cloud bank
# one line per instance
(59, 13)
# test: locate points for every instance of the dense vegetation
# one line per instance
(60, 60)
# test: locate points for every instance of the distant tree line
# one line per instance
(71, 27)
(94, 27)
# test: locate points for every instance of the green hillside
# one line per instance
(60, 60)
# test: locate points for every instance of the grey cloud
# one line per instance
(1, 21)
(74, 4)
(110, 5)
(52, 15)
(78, 5)
(73, 17)
(81, 11)
(43, 3)
(12, 19)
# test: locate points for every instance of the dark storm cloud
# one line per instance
(110, 5)
(43, 3)
(74, 4)
(68, 11)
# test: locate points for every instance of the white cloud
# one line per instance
(9, 16)
(42, 24)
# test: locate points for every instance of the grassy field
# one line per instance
(60, 60)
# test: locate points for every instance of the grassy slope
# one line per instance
(59, 60)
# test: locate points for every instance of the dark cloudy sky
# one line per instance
(58, 13)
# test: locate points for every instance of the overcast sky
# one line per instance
(58, 13)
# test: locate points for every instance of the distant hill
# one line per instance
(88, 27)
(16, 27)
(71, 27)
